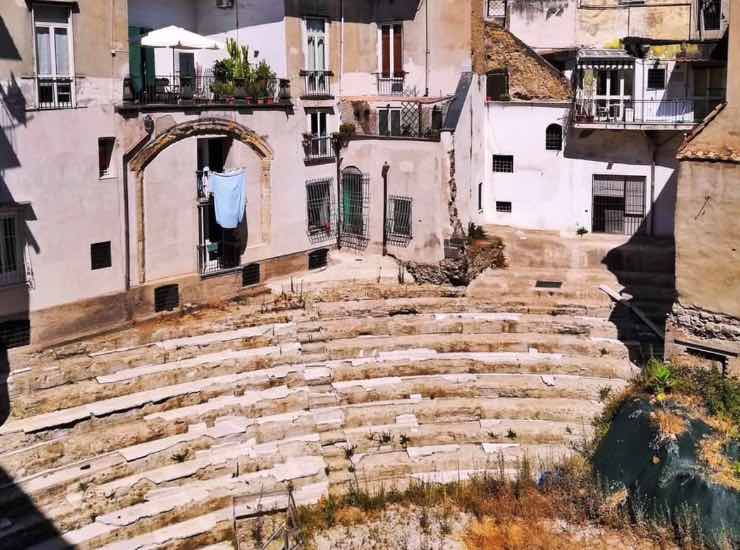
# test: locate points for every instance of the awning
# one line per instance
(179, 38)
(603, 58)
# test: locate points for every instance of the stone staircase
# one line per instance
(166, 434)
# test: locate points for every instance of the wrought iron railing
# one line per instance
(627, 111)
(184, 89)
(55, 92)
(317, 83)
(391, 84)
(319, 148)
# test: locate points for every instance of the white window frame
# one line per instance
(615, 103)
(323, 140)
(17, 276)
(70, 49)
(307, 35)
(392, 49)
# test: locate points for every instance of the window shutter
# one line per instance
(386, 51)
(398, 50)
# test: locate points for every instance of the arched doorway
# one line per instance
(189, 129)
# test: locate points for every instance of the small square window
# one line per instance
(105, 157)
(656, 79)
(503, 163)
(503, 206)
(318, 258)
(497, 85)
(166, 298)
(100, 256)
(251, 275)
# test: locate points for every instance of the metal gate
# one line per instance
(354, 208)
(410, 119)
(618, 204)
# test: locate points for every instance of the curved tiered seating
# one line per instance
(172, 429)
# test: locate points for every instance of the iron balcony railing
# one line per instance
(625, 111)
(199, 89)
(317, 83)
(319, 148)
(391, 84)
(55, 92)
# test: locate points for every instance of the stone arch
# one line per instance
(194, 128)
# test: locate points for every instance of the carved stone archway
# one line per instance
(184, 130)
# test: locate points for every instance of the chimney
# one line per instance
(733, 62)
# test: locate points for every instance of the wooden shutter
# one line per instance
(386, 51)
(398, 50)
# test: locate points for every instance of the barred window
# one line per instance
(399, 217)
(100, 256)
(496, 10)
(503, 206)
(656, 79)
(10, 257)
(319, 208)
(554, 137)
(503, 163)
(497, 85)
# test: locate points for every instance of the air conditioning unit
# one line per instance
(223, 4)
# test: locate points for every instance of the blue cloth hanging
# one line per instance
(229, 197)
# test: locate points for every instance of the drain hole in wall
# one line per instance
(548, 284)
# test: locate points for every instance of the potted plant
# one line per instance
(263, 81)
(307, 141)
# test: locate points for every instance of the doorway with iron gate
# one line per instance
(618, 204)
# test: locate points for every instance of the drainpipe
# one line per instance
(337, 144)
(384, 172)
(341, 46)
(149, 127)
(426, 55)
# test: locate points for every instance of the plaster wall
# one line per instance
(553, 189)
(544, 24)
(70, 206)
(418, 170)
(707, 226)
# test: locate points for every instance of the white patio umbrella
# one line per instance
(178, 38)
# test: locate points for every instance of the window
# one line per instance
(618, 204)
(554, 137)
(656, 79)
(496, 10)
(316, 50)
(399, 218)
(711, 15)
(251, 275)
(503, 206)
(503, 163)
(709, 89)
(10, 251)
(318, 258)
(319, 209)
(480, 197)
(354, 208)
(166, 298)
(105, 156)
(437, 118)
(389, 122)
(320, 146)
(53, 43)
(391, 50)
(100, 257)
(497, 85)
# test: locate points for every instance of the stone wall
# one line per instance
(706, 324)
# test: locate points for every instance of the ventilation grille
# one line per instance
(251, 275)
(318, 258)
(14, 334)
(166, 298)
(548, 284)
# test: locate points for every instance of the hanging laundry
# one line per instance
(230, 197)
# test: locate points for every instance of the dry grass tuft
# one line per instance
(516, 534)
(669, 425)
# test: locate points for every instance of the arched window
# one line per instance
(554, 137)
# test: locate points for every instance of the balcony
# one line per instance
(317, 84)
(55, 92)
(389, 85)
(627, 113)
(318, 149)
(202, 91)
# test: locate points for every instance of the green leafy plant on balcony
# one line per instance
(236, 77)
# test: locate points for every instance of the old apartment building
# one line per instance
(380, 125)
(108, 143)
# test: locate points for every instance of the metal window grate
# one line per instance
(166, 298)
(554, 137)
(618, 204)
(15, 333)
(656, 79)
(503, 163)
(318, 258)
(100, 256)
(503, 206)
(399, 222)
(496, 9)
(9, 264)
(251, 275)
(354, 211)
(548, 284)
(320, 209)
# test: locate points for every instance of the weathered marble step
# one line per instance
(524, 342)
(467, 323)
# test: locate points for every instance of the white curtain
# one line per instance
(61, 49)
(43, 51)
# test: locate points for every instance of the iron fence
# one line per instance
(391, 84)
(399, 222)
(55, 92)
(618, 204)
(218, 248)
(317, 83)
(319, 148)
(320, 210)
(206, 88)
(627, 111)
(354, 211)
